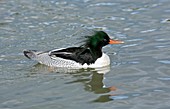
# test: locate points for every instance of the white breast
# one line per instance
(100, 62)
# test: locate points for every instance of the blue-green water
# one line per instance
(139, 75)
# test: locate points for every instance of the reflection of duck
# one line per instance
(97, 86)
(95, 83)
(91, 78)
(87, 55)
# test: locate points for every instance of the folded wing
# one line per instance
(78, 54)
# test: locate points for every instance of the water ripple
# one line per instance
(130, 45)
(121, 97)
(150, 30)
(164, 61)
(125, 96)
(164, 78)
(103, 4)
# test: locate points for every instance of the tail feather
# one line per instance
(30, 54)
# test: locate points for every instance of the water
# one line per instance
(139, 73)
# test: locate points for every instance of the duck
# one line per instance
(87, 55)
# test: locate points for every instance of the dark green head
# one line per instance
(100, 39)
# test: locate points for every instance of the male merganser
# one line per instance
(88, 55)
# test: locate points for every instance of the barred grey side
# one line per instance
(44, 58)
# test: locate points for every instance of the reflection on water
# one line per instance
(91, 78)
(97, 86)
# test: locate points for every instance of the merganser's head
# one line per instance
(100, 39)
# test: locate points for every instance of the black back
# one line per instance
(79, 54)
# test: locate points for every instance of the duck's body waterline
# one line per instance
(89, 55)
(44, 58)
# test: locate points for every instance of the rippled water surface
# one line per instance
(139, 75)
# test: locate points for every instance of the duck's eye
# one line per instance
(104, 40)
